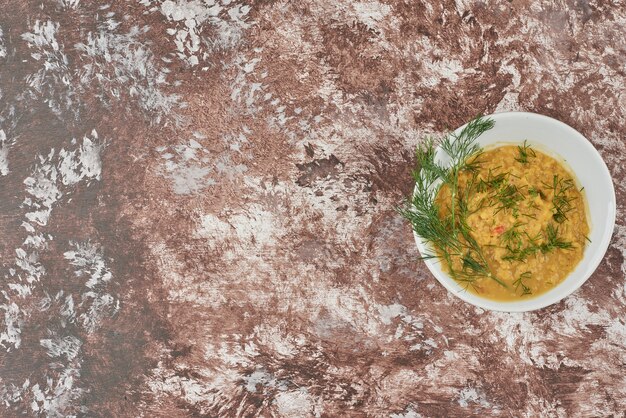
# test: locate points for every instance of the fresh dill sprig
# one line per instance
(561, 203)
(473, 267)
(512, 237)
(522, 253)
(493, 181)
(520, 283)
(502, 194)
(551, 242)
(460, 147)
(422, 210)
(507, 197)
(528, 215)
(449, 235)
(524, 151)
(534, 192)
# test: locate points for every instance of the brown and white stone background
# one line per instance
(197, 208)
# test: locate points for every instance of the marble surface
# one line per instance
(197, 208)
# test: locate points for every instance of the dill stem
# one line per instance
(453, 189)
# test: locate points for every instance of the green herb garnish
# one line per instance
(520, 283)
(561, 203)
(507, 197)
(524, 151)
(449, 235)
(512, 237)
(551, 242)
(492, 181)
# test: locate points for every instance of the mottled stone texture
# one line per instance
(197, 208)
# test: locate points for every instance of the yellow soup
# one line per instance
(522, 208)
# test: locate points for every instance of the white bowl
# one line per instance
(566, 144)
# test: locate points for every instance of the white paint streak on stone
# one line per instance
(121, 64)
(69, 4)
(81, 163)
(471, 395)
(510, 68)
(409, 412)
(227, 19)
(524, 336)
(53, 82)
(371, 13)
(263, 379)
(4, 153)
(189, 165)
(619, 242)
(213, 230)
(52, 179)
(461, 6)
(68, 346)
(43, 189)
(439, 69)
(389, 312)
(186, 166)
(410, 327)
(21, 290)
(202, 391)
(100, 305)
(59, 397)
(89, 262)
(226, 168)
(256, 226)
(64, 305)
(30, 265)
(517, 330)
(3, 48)
(296, 403)
(67, 311)
(276, 340)
(509, 103)
(11, 336)
(246, 92)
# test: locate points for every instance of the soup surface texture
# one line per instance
(525, 212)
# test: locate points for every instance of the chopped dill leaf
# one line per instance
(513, 236)
(520, 283)
(553, 241)
(525, 151)
(561, 203)
(507, 197)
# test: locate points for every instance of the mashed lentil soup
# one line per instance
(524, 210)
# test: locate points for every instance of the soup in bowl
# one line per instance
(512, 212)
